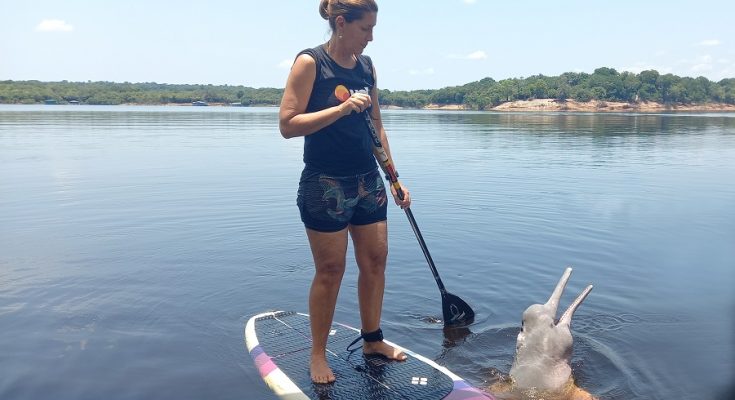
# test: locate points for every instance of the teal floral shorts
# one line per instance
(331, 203)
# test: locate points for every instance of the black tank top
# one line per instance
(344, 147)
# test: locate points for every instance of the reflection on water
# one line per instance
(136, 241)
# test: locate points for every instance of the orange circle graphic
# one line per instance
(341, 93)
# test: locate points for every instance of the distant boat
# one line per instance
(50, 102)
(74, 102)
(199, 103)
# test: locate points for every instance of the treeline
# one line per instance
(604, 84)
(111, 93)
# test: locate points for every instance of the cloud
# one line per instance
(54, 25)
(469, 1)
(701, 67)
(702, 63)
(475, 55)
(425, 71)
(709, 43)
(640, 67)
(285, 64)
(727, 72)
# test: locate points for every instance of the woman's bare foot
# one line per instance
(383, 349)
(320, 371)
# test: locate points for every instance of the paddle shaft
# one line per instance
(390, 171)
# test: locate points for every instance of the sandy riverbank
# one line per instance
(592, 106)
(537, 105)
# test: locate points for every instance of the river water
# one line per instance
(135, 242)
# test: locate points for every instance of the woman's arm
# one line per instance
(293, 120)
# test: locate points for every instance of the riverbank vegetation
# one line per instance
(603, 85)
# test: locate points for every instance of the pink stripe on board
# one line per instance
(264, 363)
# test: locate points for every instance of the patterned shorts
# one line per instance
(330, 203)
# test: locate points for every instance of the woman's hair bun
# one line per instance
(324, 9)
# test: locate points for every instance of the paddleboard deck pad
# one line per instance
(280, 345)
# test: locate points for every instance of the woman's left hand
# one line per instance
(406, 202)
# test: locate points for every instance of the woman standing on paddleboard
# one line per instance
(341, 191)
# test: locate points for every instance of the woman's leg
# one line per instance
(371, 253)
(329, 251)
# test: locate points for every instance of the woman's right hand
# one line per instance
(358, 103)
(405, 202)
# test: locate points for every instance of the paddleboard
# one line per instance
(280, 344)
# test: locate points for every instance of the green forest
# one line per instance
(604, 84)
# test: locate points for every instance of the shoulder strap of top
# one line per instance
(314, 54)
(318, 53)
(367, 65)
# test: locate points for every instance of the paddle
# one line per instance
(455, 310)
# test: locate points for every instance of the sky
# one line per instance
(418, 44)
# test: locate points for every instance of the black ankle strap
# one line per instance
(370, 337)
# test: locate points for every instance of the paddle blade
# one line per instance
(456, 311)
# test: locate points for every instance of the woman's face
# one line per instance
(358, 33)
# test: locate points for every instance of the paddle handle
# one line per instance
(387, 166)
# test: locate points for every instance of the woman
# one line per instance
(341, 191)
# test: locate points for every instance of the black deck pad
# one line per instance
(286, 338)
